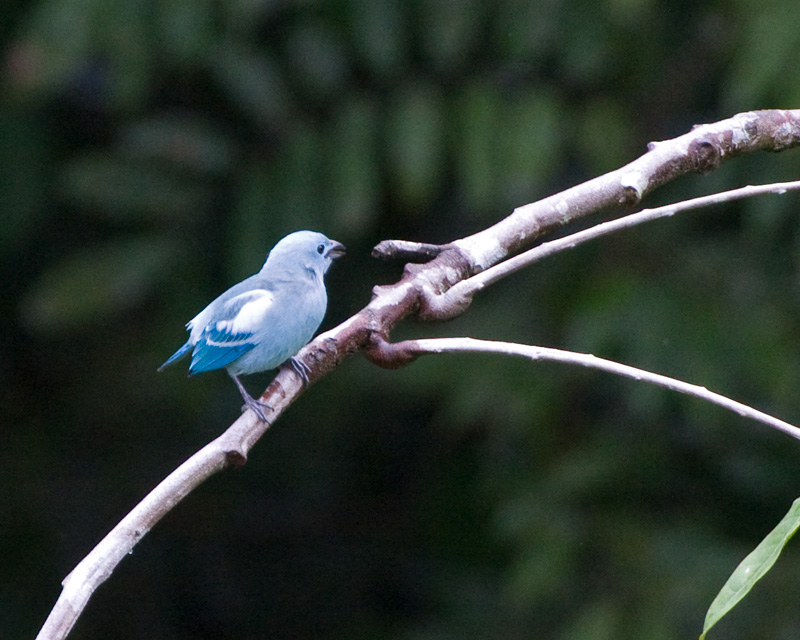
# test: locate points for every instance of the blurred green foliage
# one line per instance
(151, 153)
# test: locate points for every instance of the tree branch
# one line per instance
(470, 286)
(412, 349)
(406, 250)
(419, 292)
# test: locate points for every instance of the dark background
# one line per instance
(152, 152)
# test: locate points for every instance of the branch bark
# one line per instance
(419, 292)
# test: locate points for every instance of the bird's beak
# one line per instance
(336, 250)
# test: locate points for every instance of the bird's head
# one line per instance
(306, 249)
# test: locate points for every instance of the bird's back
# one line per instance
(266, 319)
(290, 323)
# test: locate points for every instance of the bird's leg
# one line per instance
(301, 369)
(257, 406)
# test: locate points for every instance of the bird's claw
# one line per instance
(300, 368)
(257, 407)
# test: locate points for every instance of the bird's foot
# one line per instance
(258, 407)
(301, 369)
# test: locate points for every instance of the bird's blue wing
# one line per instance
(232, 332)
(217, 349)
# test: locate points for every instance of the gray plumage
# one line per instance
(266, 319)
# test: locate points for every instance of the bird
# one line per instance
(266, 319)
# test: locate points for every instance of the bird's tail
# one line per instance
(177, 355)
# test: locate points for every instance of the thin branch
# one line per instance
(472, 285)
(420, 347)
(407, 250)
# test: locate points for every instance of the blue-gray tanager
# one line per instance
(266, 319)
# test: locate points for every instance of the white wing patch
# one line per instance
(193, 322)
(251, 315)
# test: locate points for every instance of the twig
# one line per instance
(407, 250)
(472, 285)
(472, 345)
(702, 149)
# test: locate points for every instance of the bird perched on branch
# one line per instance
(266, 319)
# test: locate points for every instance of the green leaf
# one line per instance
(753, 568)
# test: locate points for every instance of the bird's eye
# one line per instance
(321, 249)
